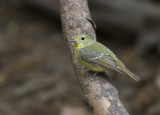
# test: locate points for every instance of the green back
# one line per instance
(97, 47)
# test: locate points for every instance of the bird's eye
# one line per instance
(82, 38)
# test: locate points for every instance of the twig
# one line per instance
(100, 94)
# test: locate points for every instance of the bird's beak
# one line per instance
(72, 40)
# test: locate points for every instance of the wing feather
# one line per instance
(99, 59)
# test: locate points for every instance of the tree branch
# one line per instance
(100, 94)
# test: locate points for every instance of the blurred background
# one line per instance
(36, 75)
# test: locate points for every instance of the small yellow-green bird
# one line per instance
(97, 57)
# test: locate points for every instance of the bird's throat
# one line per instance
(77, 45)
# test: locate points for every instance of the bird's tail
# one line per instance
(128, 72)
(131, 74)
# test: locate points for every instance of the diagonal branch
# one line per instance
(100, 94)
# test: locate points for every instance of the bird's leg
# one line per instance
(86, 70)
(91, 79)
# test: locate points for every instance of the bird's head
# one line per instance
(82, 40)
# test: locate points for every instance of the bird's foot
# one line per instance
(91, 79)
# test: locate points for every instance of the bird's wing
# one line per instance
(99, 59)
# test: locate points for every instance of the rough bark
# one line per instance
(100, 94)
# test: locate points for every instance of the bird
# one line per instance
(97, 57)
